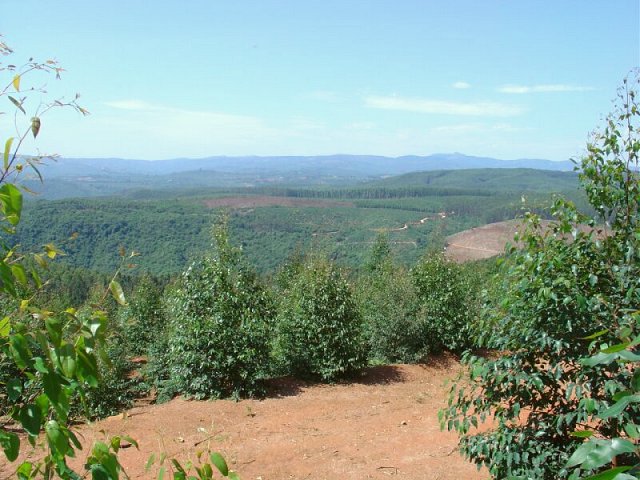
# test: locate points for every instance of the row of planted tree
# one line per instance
(220, 330)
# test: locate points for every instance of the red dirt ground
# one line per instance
(383, 425)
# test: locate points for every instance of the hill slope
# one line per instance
(99, 177)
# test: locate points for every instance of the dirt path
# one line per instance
(382, 426)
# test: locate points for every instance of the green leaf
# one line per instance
(10, 443)
(19, 273)
(115, 443)
(233, 476)
(14, 389)
(117, 293)
(611, 474)
(7, 152)
(5, 327)
(20, 350)
(74, 440)
(597, 452)
(150, 462)
(595, 335)
(220, 463)
(58, 441)
(51, 250)
(582, 433)
(17, 104)
(31, 419)
(35, 169)
(176, 464)
(67, 360)
(616, 348)
(11, 200)
(24, 471)
(618, 407)
(131, 440)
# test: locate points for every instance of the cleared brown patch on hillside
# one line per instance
(268, 201)
(490, 240)
(481, 242)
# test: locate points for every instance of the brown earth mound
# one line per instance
(381, 425)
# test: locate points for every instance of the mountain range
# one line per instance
(86, 177)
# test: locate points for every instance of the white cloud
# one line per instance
(423, 105)
(519, 89)
(461, 85)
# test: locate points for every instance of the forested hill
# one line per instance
(171, 226)
(512, 179)
(103, 177)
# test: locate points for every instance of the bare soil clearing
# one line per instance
(481, 242)
(382, 425)
(491, 239)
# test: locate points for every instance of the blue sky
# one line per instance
(167, 79)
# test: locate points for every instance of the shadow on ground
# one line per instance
(282, 387)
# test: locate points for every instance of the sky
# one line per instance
(172, 79)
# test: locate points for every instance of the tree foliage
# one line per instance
(319, 325)
(568, 293)
(49, 359)
(387, 299)
(446, 303)
(218, 333)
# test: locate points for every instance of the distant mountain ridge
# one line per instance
(355, 166)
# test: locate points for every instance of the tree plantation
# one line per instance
(167, 293)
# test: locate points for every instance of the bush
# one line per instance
(386, 296)
(143, 318)
(116, 389)
(319, 325)
(218, 332)
(447, 304)
(569, 293)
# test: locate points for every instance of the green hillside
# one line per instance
(169, 227)
(496, 179)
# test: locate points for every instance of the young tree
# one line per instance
(218, 332)
(387, 298)
(48, 359)
(446, 301)
(567, 291)
(319, 325)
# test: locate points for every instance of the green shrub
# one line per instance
(386, 296)
(319, 325)
(116, 389)
(566, 329)
(218, 332)
(446, 306)
(143, 317)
